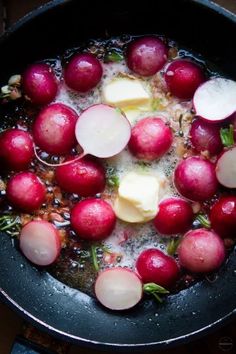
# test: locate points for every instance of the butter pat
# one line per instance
(138, 197)
(124, 92)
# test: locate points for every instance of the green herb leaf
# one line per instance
(150, 288)
(94, 257)
(227, 136)
(204, 221)
(114, 55)
(10, 224)
(113, 181)
(156, 103)
(172, 246)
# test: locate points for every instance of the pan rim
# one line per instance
(73, 338)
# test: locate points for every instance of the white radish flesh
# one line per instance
(215, 100)
(118, 288)
(226, 168)
(40, 242)
(102, 131)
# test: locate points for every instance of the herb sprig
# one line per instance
(155, 290)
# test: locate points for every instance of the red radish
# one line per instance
(175, 216)
(118, 288)
(155, 266)
(54, 129)
(40, 242)
(215, 99)
(102, 131)
(25, 191)
(150, 139)
(195, 179)
(146, 55)
(83, 72)
(93, 219)
(201, 251)
(225, 168)
(40, 83)
(183, 78)
(223, 216)
(85, 177)
(16, 149)
(205, 136)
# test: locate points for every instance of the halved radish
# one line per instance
(40, 242)
(226, 168)
(102, 131)
(118, 288)
(215, 100)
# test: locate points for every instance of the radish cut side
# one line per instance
(102, 131)
(40, 242)
(118, 288)
(215, 100)
(226, 168)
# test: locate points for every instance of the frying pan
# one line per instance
(34, 294)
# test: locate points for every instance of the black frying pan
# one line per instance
(52, 306)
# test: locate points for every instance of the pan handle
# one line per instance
(24, 346)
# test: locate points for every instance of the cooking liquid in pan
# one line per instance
(75, 265)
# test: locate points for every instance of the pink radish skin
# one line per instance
(83, 72)
(40, 83)
(223, 216)
(16, 149)
(146, 55)
(85, 177)
(102, 131)
(183, 77)
(93, 219)
(26, 192)
(54, 129)
(201, 251)
(175, 216)
(40, 242)
(214, 100)
(225, 168)
(205, 136)
(195, 179)
(155, 266)
(150, 139)
(118, 288)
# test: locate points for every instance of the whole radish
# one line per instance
(40, 83)
(205, 136)
(223, 216)
(16, 149)
(93, 219)
(195, 179)
(85, 177)
(183, 77)
(54, 129)
(201, 251)
(146, 55)
(40, 242)
(118, 288)
(26, 192)
(155, 266)
(175, 216)
(83, 72)
(150, 139)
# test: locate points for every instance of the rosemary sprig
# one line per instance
(203, 220)
(94, 257)
(10, 224)
(172, 246)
